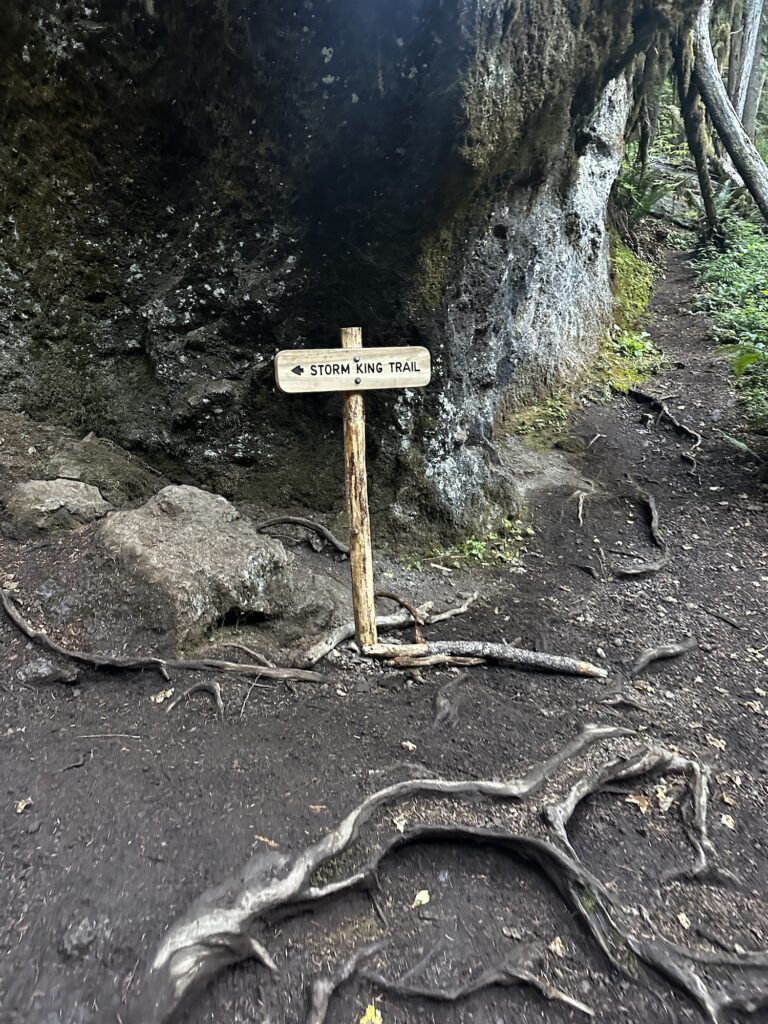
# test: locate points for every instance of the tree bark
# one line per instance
(756, 82)
(740, 147)
(749, 52)
(735, 40)
(693, 120)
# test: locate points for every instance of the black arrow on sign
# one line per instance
(298, 370)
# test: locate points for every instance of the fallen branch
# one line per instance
(652, 654)
(308, 524)
(418, 622)
(346, 631)
(162, 666)
(499, 654)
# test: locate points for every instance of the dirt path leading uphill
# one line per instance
(133, 812)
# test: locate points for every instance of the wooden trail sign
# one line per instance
(353, 369)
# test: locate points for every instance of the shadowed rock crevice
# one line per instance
(213, 181)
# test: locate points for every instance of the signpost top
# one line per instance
(298, 371)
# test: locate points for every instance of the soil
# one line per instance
(133, 812)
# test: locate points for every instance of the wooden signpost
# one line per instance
(353, 369)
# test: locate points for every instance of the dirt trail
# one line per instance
(134, 812)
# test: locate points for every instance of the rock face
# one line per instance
(188, 185)
(55, 504)
(200, 562)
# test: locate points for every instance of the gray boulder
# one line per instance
(203, 562)
(53, 505)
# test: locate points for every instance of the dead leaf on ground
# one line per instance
(400, 821)
(640, 801)
(664, 796)
(728, 821)
(22, 805)
(684, 920)
(161, 696)
(421, 899)
(557, 947)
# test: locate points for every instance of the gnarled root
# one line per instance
(218, 929)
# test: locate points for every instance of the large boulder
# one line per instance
(199, 565)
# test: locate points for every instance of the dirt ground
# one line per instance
(134, 812)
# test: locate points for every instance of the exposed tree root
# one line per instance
(163, 666)
(308, 524)
(653, 564)
(324, 988)
(517, 969)
(663, 413)
(217, 930)
(652, 654)
(207, 685)
(328, 643)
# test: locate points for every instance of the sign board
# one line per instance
(298, 371)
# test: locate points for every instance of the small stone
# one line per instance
(54, 505)
(44, 670)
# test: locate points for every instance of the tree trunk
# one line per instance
(693, 119)
(735, 39)
(750, 52)
(740, 147)
(756, 82)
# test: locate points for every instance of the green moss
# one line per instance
(544, 425)
(632, 284)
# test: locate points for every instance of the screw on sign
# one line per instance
(353, 369)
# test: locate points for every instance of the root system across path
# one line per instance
(419, 843)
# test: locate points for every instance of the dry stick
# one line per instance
(500, 654)
(254, 655)
(161, 665)
(324, 646)
(664, 413)
(409, 607)
(722, 617)
(308, 524)
(323, 989)
(435, 660)
(652, 654)
(215, 931)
